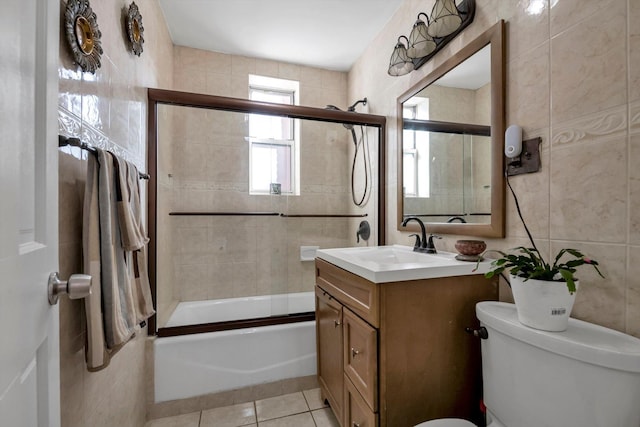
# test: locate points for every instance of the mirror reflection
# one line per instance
(450, 167)
(447, 175)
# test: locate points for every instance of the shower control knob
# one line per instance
(78, 286)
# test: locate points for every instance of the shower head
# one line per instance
(362, 101)
(333, 107)
(351, 109)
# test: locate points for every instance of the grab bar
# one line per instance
(224, 213)
(268, 214)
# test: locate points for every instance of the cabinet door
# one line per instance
(329, 345)
(356, 411)
(361, 357)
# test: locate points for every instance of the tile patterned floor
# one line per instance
(302, 409)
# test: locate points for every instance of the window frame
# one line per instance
(290, 90)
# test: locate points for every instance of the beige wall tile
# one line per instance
(633, 291)
(634, 50)
(565, 14)
(589, 65)
(528, 89)
(599, 300)
(634, 190)
(589, 192)
(527, 25)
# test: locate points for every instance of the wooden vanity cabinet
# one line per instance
(329, 349)
(402, 351)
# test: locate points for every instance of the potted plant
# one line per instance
(544, 293)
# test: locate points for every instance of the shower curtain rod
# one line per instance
(64, 141)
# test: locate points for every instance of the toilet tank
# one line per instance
(586, 376)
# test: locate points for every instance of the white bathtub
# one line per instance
(193, 365)
(220, 310)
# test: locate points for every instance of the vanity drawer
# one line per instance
(356, 411)
(361, 357)
(356, 293)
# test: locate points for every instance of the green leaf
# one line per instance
(568, 277)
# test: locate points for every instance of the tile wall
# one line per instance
(573, 79)
(107, 110)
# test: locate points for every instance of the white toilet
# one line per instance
(586, 376)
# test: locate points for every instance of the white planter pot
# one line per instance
(542, 304)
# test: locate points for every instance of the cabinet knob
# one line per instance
(354, 352)
(356, 424)
(336, 323)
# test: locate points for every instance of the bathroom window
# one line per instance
(415, 151)
(273, 140)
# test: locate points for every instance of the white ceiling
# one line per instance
(328, 34)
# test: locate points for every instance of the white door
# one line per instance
(29, 342)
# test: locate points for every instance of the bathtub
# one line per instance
(193, 365)
(220, 310)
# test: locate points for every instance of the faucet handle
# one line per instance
(418, 242)
(429, 247)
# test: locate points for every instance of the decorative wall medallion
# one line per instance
(135, 30)
(83, 34)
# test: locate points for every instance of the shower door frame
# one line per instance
(185, 99)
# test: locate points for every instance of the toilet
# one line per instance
(586, 376)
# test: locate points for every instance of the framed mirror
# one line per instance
(450, 149)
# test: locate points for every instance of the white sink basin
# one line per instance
(380, 264)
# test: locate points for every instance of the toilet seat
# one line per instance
(447, 422)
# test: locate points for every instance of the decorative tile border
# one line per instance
(68, 123)
(72, 126)
(607, 124)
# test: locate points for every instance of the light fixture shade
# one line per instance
(400, 64)
(420, 42)
(445, 18)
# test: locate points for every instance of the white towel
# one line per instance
(133, 237)
(114, 309)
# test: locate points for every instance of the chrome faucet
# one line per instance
(423, 243)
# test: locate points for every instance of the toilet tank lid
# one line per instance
(581, 341)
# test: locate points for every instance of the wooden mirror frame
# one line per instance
(496, 228)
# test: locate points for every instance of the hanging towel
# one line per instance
(96, 353)
(133, 237)
(110, 309)
(117, 296)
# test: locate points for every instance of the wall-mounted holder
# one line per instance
(529, 159)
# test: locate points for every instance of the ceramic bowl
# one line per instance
(470, 247)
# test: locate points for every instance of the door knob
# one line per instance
(78, 286)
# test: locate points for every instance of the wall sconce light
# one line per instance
(400, 63)
(426, 39)
(420, 42)
(445, 18)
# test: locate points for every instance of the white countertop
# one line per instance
(381, 264)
